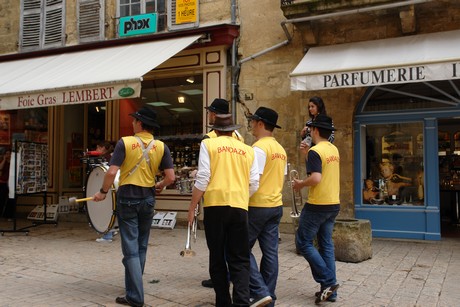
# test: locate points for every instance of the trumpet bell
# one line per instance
(187, 253)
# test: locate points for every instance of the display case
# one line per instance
(394, 172)
(184, 152)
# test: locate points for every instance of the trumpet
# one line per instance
(296, 196)
(191, 232)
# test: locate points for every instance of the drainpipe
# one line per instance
(329, 15)
(235, 70)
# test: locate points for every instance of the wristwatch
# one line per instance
(103, 192)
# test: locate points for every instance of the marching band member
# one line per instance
(227, 172)
(318, 215)
(266, 207)
(138, 158)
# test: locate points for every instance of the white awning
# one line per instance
(417, 58)
(84, 76)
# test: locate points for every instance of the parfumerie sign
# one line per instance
(69, 96)
(374, 77)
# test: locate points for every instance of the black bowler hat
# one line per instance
(218, 106)
(266, 115)
(147, 116)
(322, 121)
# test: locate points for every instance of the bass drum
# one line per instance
(101, 214)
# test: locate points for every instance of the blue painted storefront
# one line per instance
(396, 221)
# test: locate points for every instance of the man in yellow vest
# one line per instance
(266, 207)
(322, 207)
(138, 158)
(227, 172)
(218, 107)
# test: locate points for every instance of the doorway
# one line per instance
(449, 176)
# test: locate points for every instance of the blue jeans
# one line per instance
(318, 224)
(134, 220)
(264, 227)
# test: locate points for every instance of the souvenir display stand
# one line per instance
(29, 163)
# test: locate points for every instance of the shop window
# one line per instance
(138, 7)
(24, 125)
(42, 24)
(91, 20)
(178, 102)
(394, 171)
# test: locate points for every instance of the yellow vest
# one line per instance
(271, 182)
(212, 134)
(144, 175)
(230, 167)
(327, 191)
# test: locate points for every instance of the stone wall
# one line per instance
(9, 26)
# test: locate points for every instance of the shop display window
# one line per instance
(394, 171)
(24, 125)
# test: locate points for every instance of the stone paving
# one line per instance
(63, 266)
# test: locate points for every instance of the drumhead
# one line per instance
(101, 215)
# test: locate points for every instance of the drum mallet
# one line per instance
(74, 200)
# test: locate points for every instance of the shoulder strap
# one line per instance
(145, 154)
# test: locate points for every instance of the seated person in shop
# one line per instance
(394, 182)
(105, 148)
(370, 191)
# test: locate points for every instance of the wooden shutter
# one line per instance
(91, 20)
(172, 25)
(30, 31)
(42, 24)
(54, 24)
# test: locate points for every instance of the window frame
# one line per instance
(143, 4)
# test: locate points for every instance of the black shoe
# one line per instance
(259, 302)
(123, 301)
(207, 283)
(329, 299)
(325, 293)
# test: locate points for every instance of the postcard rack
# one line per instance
(30, 166)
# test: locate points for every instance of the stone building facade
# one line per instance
(272, 39)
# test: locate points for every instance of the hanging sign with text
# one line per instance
(186, 11)
(376, 77)
(70, 96)
(139, 24)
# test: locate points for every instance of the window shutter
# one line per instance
(91, 20)
(54, 24)
(42, 24)
(30, 24)
(173, 25)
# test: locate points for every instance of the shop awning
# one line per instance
(83, 76)
(417, 58)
